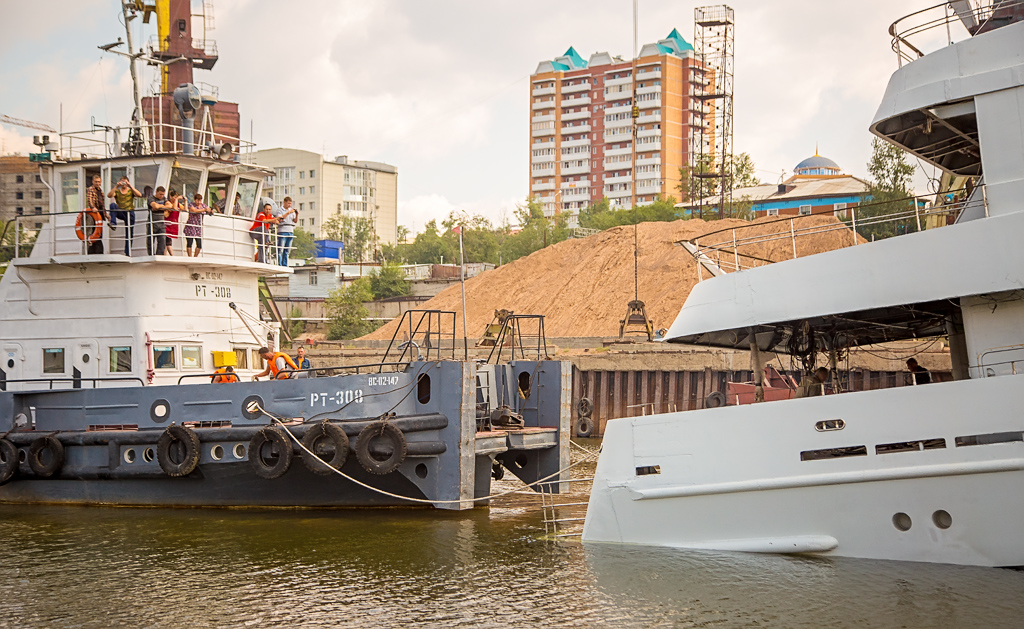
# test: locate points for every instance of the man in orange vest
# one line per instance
(224, 374)
(279, 365)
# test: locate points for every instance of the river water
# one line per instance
(490, 567)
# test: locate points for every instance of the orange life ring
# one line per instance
(97, 232)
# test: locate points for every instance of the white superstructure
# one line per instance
(923, 473)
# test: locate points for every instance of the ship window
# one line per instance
(191, 357)
(163, 356)
(257, 360)
(53, 360)
(120, 360)
(69, 192)
(185, 181)
(241, 358)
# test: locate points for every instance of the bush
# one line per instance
(388, 281)
(347, 317)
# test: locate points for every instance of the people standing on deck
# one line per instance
(97, 211)
(171, 216)
(301, 359)
(260, 232)
(124, 195)
(158, 205)
(279, 365)
(194, 225)
(918, 374)
(287, 217)
(814, 384)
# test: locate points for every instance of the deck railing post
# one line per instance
(853, 214)
(792, 235)
(735, 251)
(917, 214)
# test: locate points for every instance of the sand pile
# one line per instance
(582, 286)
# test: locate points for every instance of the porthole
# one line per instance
(520, 461)
(148, 455)
(902, 521)
(942, 519)
(217, 453)
(129, 455)
(160, 411)
(251, 407)
(238, 451)
(525, 382)
(22, 456)
(423, 389)
(421, 470)
(85, 358)
(10, 363)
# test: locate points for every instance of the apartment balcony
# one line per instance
(648, 189)
(617, 109)
(627, 150)
(571, 89)
(618, 194)
(543, 118)
(544, 144)
(576, 102)
(620, 179)
(650, 104)
(643, 75)
(650, 116)
(580, 128)
(648, 146)
(542, 159)
(649, 89)
(543, 172)
(577, 170)
(543, 91)
(575, 194)
(623, 80)
(576, 115)
(544, 104)
(538, 133)
(618, 95)
(649, 133)
(541, 187)
(648, 161)
(570, 143)
(615, 124)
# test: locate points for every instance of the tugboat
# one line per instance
(930, 472)
(113, 388)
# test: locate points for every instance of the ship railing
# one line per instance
(985, 368)
(736, 249)
(102, 142)
(424, 336)
(315, 372)
(224, 237)
(938, 25)
(75, 383)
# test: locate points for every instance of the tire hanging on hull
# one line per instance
(392, 436)
(330, 443)
(177, 451)
(46, 456)
(8, 460)
(279, 457)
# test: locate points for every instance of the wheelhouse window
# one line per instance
(191, 357)
(120, 360)
(185, 181)
(53, 360)
(70, 200)
(163, 357)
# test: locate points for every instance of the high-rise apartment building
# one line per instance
(321, 188)
(581, 132)
(22, 192)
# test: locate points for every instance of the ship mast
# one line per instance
(128, 8)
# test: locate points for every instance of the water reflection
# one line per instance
(87, 567)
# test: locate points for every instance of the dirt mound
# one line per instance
(582, 286)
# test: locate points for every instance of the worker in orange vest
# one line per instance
(279, 365)
(224, 374)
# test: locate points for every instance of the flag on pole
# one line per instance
(457, 229)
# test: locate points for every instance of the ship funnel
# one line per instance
(188, 100)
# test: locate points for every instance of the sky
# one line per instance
(440, 88)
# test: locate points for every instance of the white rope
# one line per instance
(391, 495)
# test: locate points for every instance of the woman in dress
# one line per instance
(194, 225)
(171, 219)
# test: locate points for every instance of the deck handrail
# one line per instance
(927, 19)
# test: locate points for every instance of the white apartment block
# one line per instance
(321, 188)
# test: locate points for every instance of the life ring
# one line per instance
(584, 427)
(280, 455)
(394, 448)
(177, 451)
(584, 407)
(8, 460)
(97, 231)
(330, 443)
(46, 468)
(715, 400)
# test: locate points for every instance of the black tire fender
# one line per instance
(376, 432)
(715, 400)
(280, 458)
(8, 460)
(584, 427)
(328, 442)
(181, 443)
(36, 450)
(584, 407)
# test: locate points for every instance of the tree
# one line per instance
(601, 216)
(303, 247)
(346, 314)
(295, 325)
(388, 281)
(357, 232)
(430, 247)
(889, 193)
(741, 173)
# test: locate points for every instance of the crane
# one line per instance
(26, 123)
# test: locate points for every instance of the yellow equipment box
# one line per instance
(224, 359)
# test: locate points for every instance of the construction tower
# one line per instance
(711, 92)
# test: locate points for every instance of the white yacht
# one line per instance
(925, 473)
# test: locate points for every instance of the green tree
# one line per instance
(740, 173)
(347, 316)
(358, 234)
(431, 247)
(388, 281)
(601, 216)
(303, 247)
(295, 325)
(889, 192)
